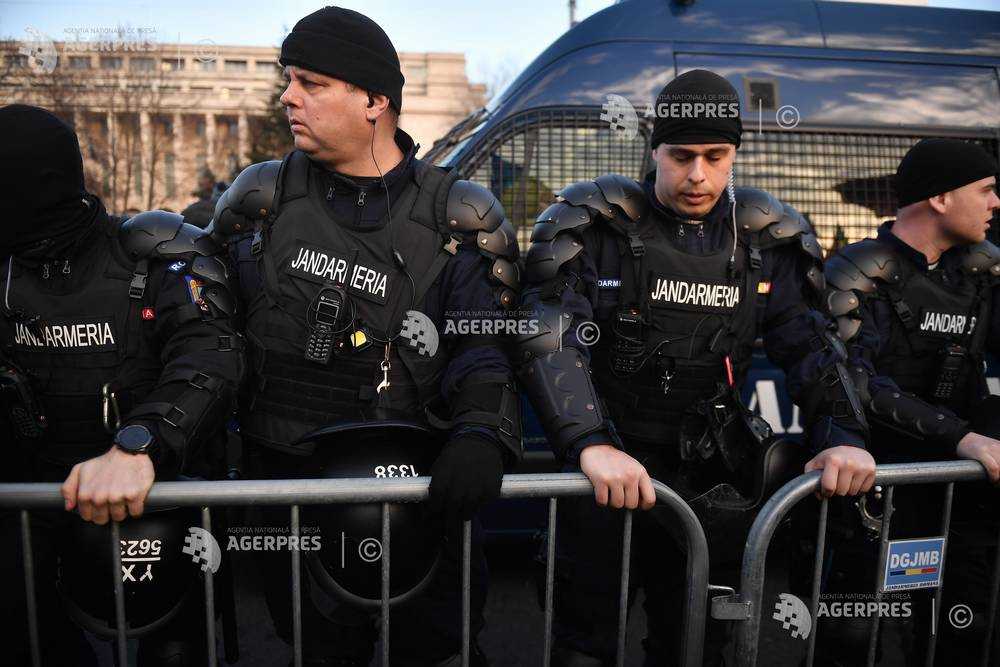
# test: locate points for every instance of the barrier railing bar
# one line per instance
(29, 590)
(550, 572)
(949, 495)
(623, 591)
(293, 493)
(817, 579)
(994, 595)
(206, 524)
(385, 563)
(116, 563)
(883, 553)
(778, 506)
(466, 589)
(296, 592)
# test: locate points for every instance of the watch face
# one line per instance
(134, 437)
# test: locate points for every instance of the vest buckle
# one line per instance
(257, 244)
(636, 246)
(904, 312)
(137, 287)
(755, 259)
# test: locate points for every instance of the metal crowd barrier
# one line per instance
(745, 606)
(296, 493)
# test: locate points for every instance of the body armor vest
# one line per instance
(88, 354)
(679, 317)
(938, 335)
(305, 257)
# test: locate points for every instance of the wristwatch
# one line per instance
(136, 439)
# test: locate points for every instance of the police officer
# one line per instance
(918, 307)
(656, 292)
(119, 368)
(362, 270)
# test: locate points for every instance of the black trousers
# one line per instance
(967, 578)
(179, 643)
(424, 630)
(588, 575)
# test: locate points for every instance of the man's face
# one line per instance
(690, 178)
(326, 115)
(969, 209)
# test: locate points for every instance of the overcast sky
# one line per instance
(495, 36)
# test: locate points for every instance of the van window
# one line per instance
(530, 157)
(842, 182)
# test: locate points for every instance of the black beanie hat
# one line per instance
(348, 46)
(697, 107)
(42, 172)
(935, 166)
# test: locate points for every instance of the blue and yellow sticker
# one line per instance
(194, 287)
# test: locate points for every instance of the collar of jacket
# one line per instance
(342, 183)
(948, 260)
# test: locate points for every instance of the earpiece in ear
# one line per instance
(371, 101)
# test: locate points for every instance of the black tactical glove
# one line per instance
(466, 475)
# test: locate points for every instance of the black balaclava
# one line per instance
(45, 209)
(936, 166)
(348, 46)
(697, 107)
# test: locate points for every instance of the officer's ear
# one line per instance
(940, 203)
(377, 109)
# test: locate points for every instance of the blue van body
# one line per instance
(863, 81)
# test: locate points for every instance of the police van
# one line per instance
(833, 95)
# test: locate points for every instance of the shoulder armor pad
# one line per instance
(843, 306)
(560, 217)
(981, 259)
(545, 258)
(213, 271)
(859, 266)
(778, 222)
(501, 242)
(756, 209)
(624, 193)
(162, 235)
(249, 198)
(472, 208)
(610, 195)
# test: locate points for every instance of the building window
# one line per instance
(169, 182)
(416, 73)
(172, 64)
(79, 62)
(266, 66)
(199, 128)
(141, 64)
(111, 62)
(206, 65)
(236, 65)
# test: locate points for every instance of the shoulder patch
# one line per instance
(195, 287)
